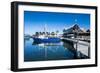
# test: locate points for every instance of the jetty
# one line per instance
(79, 45)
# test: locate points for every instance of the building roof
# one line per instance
(73, 29)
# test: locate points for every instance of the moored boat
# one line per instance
(46, 37)
(47, 40)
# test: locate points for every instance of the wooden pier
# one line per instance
(79, 45)
(76, 41)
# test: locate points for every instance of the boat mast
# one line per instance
(45, 29)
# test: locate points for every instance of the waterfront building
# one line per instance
(77, 33)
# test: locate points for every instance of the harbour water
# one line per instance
(50, 51)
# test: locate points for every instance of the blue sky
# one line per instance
(35, 21)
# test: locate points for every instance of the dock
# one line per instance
(79, 45)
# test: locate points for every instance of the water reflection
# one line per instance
(70, 46)
(48, 51)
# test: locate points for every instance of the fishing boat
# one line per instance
(45, 38)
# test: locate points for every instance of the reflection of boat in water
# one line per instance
(47, 44)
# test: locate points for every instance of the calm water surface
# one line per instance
(48, 51)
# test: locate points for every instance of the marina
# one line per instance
(41, 47)
(51, 36)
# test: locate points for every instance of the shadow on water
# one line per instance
(70, 46)
(77, 54)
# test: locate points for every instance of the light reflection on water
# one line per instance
(48, 51)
